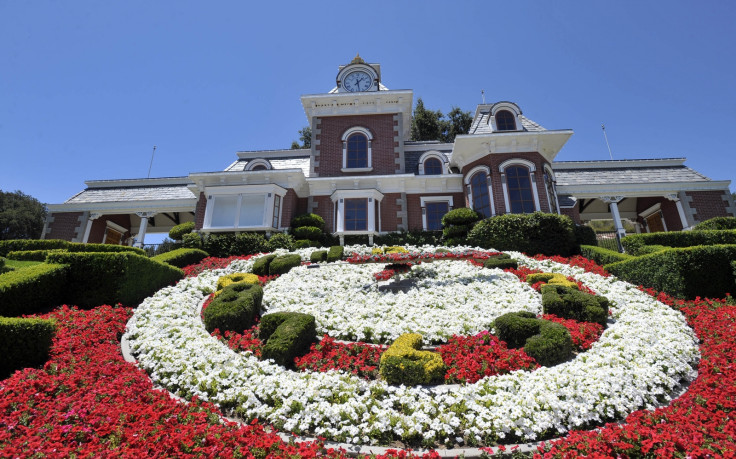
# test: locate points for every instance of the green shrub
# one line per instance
(633, 243)
(192, 241)
(305, 243)
(307, 232)
(548, 234)
(456, 231)
(74, 247)
(460, 216)
(2, 262)
(570, 303)
(308, 220)
(547, 342)
(335, 253)
(249, 243)
(688, 272)
(181, 257)
(260, 266)
(283, 264)
(585, 235)
(177, 233)
(318, 256)
(218, 245)
(717, 223)
(280, 241)
(415, 237)
(31, 289)
(24, 343)
(31, 255)
(500, 263)
(601, 255)
(14, 245)
(286, 335)
(647, 249)
(234, 309)
(404, 363)
(108, 278)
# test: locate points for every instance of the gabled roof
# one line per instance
(128, 190)
(608, 172)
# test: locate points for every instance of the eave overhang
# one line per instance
(471, 147)
(642, 189)
(397, 183)
(285, 178)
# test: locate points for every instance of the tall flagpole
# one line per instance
(151, 165)
(603, 126)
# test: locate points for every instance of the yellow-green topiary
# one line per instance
(387, 250)
(246, 278)
(550, 278)
(404, 363)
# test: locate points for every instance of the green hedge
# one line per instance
(457, 223)
(31, 289)
(24, 343)
(181, 257)
(548, 234)
(308, 220)
(283, 263)
(286, 335)
(15, 245)
(318, 256)
(192, 241)
(261, 265)
(335, 253)
(227, 244)
(682, 272)
(75, 247)
(110, 278)
(547, 342)
(31, 255)
(601, 255)
(571, 303)
(234, 309)
(307, 232)
(500, 263)
(585, 235)
(717, 223)
(177, 233)
(633, 243)
(280, 241)
(414, 237)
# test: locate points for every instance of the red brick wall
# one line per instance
(97, 232)
(414, 206)
(669, 211)
(382, 127)
(389, 208)
(199, 212)
(494, 160)
(64, 225)
(708, 204)
(290, 207)
(325, 209)
(572, 212)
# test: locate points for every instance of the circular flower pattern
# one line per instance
(639, 360)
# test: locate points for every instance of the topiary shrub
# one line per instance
(24, 343)
(32, 289)
(318, 256)
(234, 309)
(177, 233)
(633, 243)
(303, 220)
(286, 335)
(647, 249)
(305, 243)
(260, 266)
(570, 303)
(108, 248)
(249, 243)
(192, 241)
(547, 342)
(585, 235)
(14, 245)
(31, 255)
(457, 223)
(335, 253)
(717, 223)
(404, 363)
(550, 278)
(283, 263)
(601, 255)
(247, 278)
(280, 241)
(688, 272)
(108, 278)
(500, 263)
(414, 237)
(219, 245)
(548, 234)
(181, 257)
(311, 233)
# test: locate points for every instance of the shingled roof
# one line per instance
(633, 171)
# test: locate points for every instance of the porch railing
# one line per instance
(609, 240)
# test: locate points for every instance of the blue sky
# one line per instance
(87, 88)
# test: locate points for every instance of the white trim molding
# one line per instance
(269, 193)
(469, 188)
(548, 172)
(338, 198)
(369, 138)
(258, 162)
(423, 200)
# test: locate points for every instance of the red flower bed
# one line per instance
(470, 358)
(212, 263)
(360, 359)
(241, 342)
(584, 334)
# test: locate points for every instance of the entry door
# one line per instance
(654, 223)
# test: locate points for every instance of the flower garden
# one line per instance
(613, 397)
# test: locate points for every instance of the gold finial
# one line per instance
(357, 59)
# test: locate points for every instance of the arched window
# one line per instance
(357, 151)
(260, 167)
(505, 121)
(521, 196)
(432, 166)
(551, 195)
(258, 164)
(481, 197)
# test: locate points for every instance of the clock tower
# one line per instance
(358, 76)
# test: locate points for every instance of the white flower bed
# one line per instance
(636, 363)
(450, 298)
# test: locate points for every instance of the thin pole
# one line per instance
(603, 126)
(483, 96)
(151, 165)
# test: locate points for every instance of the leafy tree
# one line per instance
(305, 137)
(433, 125)
(21, 216)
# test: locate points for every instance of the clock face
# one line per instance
(358, 81)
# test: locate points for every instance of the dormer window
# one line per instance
(505, 121)
(258, 164)
(432, 163)
(259, 167)
(356, 150)
(432, 166)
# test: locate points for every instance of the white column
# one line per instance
(613, 201)
(88, 228)
(534, 191)
(142, 228)
(340, 215)
(371, 215)
(680, 210)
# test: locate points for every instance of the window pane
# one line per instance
(519, 186)
(276, 211)
(223, 212)
(252, 207)
(357, 151)
(505, 121)
(481, 198)
(435, 211)
(550, 193)
(432, 166)
(356, 214)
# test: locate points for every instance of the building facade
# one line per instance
(365, 176)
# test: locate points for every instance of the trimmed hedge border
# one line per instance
(18, 245)
(335, 253)
(31, 289)
(24, 343)
(633, 243)
(181, 257)
(601, 255)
